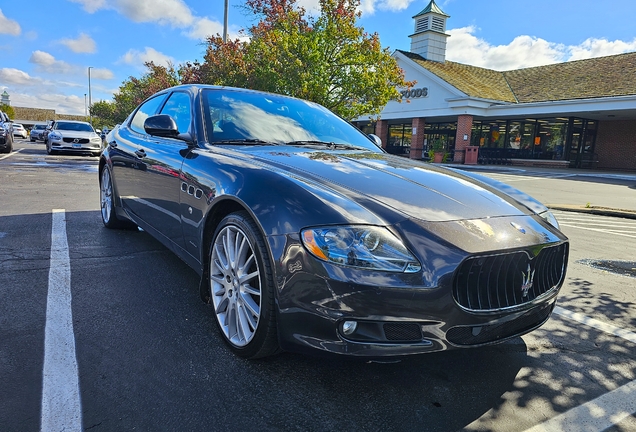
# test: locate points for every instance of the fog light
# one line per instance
(348, 327)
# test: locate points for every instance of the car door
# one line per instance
(124, 153)
(160, 180)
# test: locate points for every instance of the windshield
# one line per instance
(239, 116)
(80, 127)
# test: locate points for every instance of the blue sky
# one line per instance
(46, 46)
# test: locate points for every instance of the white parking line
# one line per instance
(606, 410)
(61, 408)
(10, 154)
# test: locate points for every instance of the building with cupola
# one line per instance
(579, 114)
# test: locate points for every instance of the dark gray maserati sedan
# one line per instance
(309, 237)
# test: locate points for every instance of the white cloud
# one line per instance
(204, 27)
(83, 44)
(600, 47)
(173, 12)
(91, 6)
(166, 12)
(138, 58)
(524, 51)
(9, 26)
(369, 7)
(104, 74)
(47, 63)
(16, 76)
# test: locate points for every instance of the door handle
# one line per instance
(140, 153)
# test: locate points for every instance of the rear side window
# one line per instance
(147, 109)
(178, 107)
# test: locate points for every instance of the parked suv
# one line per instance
(6, 133)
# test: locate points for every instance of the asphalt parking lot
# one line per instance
(148, 356)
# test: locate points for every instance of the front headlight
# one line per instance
(373, 248)
(55, 136)
(96, 140)
(550, 218)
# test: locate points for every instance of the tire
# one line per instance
(107, 200)
(242, 287)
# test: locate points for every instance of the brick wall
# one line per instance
(616, 144)
(417, 140)
(40, 115)
(382, 130)
(464, 127)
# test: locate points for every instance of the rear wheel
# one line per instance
(242, 287)
(107, 199)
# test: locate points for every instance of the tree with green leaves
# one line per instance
(8, 110)
(134, 91)
(327, 59)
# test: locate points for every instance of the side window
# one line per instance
(178, 107)
(146, 110)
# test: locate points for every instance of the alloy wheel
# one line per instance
(235, 285)
(106, 195)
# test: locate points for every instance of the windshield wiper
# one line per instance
(332, 145)
(246, 141)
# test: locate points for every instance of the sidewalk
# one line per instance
(626, 209)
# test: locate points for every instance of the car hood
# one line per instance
(414, 188)
(76, 134)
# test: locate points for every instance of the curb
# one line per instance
(597, 210)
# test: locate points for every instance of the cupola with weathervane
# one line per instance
(429, 39)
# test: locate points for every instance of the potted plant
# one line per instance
(437, 151)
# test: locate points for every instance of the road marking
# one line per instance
(606, 410)
(61, 408)
(599, 325)
(10, 154)
(597, 230)
(596, 415)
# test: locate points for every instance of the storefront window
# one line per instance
(400, 139)
(552, 134)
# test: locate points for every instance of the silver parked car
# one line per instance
(37, 132)
(73, 136)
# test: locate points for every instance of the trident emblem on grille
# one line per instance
(527, 281)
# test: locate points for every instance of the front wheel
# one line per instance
(242, 287)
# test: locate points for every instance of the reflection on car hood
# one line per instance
(76, 134)
(413, 188)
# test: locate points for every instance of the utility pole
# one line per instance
(227, 5)
(90, 101)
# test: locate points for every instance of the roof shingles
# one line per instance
(591, 78)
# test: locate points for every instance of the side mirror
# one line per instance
(98, 131)
(376, 140)
(161, 125)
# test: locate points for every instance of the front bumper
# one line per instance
(59, 145)
(401, 314)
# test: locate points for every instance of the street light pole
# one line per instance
(90, 100)
(85, 106)
(227, 4)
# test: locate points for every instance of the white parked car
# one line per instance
(73, 136)
(19, 130)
